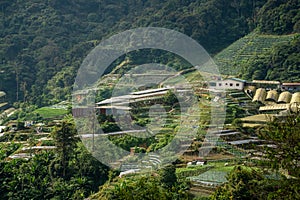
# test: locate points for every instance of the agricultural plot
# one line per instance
(211, 177)
(250, 46)
(51, 113)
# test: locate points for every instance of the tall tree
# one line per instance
(65, 141)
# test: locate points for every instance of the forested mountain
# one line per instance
(279, 17)
(43, 42)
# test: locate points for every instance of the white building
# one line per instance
(228, 84)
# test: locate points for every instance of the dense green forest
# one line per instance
(70, 172)
(44, 42)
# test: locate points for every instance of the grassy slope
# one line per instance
(49, 113)
(250, 46)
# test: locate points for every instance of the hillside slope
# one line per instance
(43, 43)
(233, 59)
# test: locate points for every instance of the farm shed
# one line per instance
(260, 95)
(111, 110)
(295, 98)
(285, 97)
(266, 84)
(272, 95)
(277, 107)
(119, 104)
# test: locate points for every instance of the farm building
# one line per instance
(272, 95)
(295, 98)
(266, 84)
(119, 100)
(2, 128)
(112, 110)
(260, 95)
(293, 87)
(82, 111)
(274, 108)
(286, 102)
(228, 84)
(120, 104)
(285, 97)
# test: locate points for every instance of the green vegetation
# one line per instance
(44, 42)
(7, 149)
(246, 183)
(247, 50)
(285, 135)
(153, 187)
(279, 17)
(262, 57)
(250, 183)
(50, 113)
(70, 172)
(182, 173)
(42, 45)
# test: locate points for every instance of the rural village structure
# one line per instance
(120, 104)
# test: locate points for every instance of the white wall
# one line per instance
(228, 84)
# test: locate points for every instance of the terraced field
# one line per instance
(250, 46)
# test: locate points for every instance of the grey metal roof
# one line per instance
(135, 96)
(115, 107)
(237, 142)
(150, 91)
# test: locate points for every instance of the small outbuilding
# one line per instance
(295, 98)
(272, 95)
(285, 97)
(260, 95)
